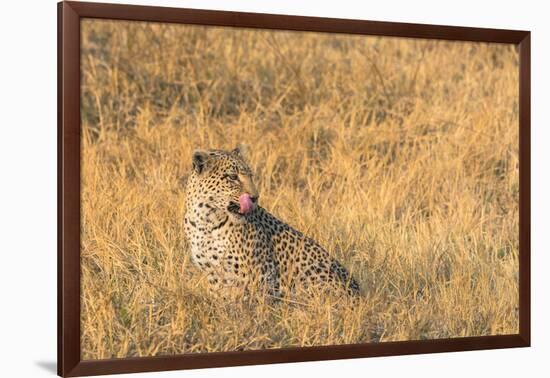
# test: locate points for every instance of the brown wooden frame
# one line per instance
(69, 16)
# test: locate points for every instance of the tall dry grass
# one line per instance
(400, 156)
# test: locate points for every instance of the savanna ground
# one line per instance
(399, 156)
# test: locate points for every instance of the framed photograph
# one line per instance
(239, 188)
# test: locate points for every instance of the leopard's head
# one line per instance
(222, 180)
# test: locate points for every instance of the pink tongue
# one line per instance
(246, 203)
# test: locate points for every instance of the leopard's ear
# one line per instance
(241, 150)
(200, 159)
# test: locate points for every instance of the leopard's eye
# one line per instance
(232, 176)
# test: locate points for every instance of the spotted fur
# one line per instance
(254, 249)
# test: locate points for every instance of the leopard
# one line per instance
(240, 246)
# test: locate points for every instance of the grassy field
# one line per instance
(399, 156)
